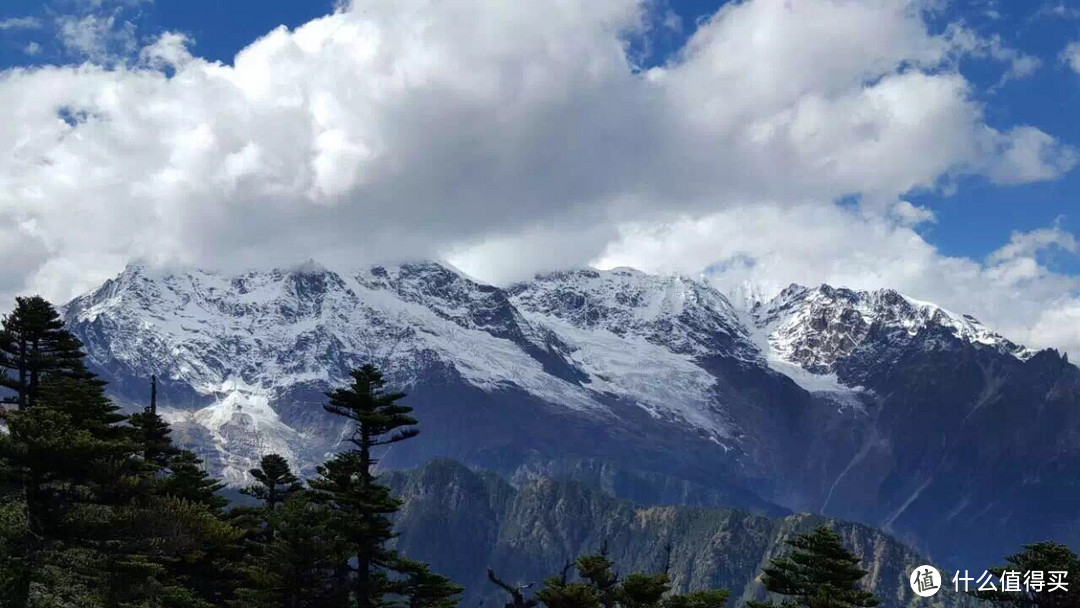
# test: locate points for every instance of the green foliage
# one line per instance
(68, 468)
(1044, 557)
(601, 587)
(296, 569)
(424, 588)
(275, 481)
(187, 480)
(360, 507)
(34, 344)
(85, 518)
(819, 573)
(151, 433)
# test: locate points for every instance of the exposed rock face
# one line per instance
(462, 521)
(868, 406)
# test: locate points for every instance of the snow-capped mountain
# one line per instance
(238, 345)
(656, 387)
(817, 327)
(235, 345)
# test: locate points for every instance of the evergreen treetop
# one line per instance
(1037, 557)
(33, 344)
(152, 434)
(599, 586)
(819, 573)
(275, 482)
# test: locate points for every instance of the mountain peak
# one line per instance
(816, 327)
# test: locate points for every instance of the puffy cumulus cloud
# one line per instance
(510, 136)
(1026, 154)
(763, 248)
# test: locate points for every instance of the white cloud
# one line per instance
(773, 246)
(968, 42)
(1024, 245)
(910, 215)
(20, 23)
(101, 38)
(512, 136)
(1059, 10)
(170, 50)
(32, 48)
(1026, 154)
(1071, 56)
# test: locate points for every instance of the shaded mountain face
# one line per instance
(461, 521)
(869, 406)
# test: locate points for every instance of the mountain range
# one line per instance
(460, 521)
(863, 405)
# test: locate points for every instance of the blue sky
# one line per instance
(509, 138)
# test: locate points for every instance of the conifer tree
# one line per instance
(275, 481)
(1042, 557)
(33, 344)
(180, 534)
(152, 434)
(204, 551)
(296, 568)
(426, 589)
(74, 465)
(599, 586)
(81, 524)
(819, 573)
(361, 506)
(188, 480)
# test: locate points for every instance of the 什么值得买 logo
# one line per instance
(925, 581)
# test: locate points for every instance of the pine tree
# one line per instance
(152, 435)
(81, 522)
(73, 463)
(188, 480)
(275, 481)
(819, 573)
(601, 587)
(424, 588)
(347, 483)
(296, 568)
(1037, 557)
(33, 344)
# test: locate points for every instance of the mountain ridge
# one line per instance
(461, 520)
(822, 399)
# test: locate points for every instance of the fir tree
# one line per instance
(275, 481)
(1038, 557)
(361, 506)
(152, 434)
(74, 465)
(426, 589)
(81, 524)
(33, 344)
(599, 586)
(188, 480)
(296, 568)
(819, 573)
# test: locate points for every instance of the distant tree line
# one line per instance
(102, 510)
